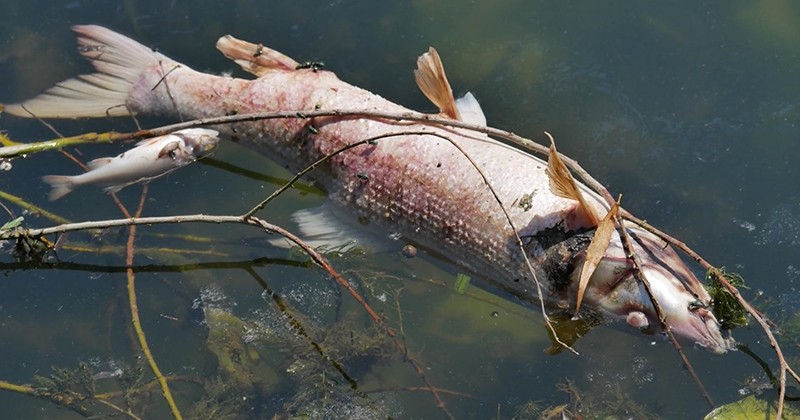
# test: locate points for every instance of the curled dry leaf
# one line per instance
(596, 250)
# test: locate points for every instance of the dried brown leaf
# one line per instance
(594, 253)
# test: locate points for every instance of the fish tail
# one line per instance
(61, 185)
(119, 61)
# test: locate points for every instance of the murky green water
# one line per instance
(690, 110)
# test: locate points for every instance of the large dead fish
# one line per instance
(150, 159)
(420, 187)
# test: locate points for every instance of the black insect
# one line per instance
(259, 50)
(313, 65)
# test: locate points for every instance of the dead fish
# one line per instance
(150, 159)
(418, 187)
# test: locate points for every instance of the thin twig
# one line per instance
(65, 398)
(166, 86)
(119, 409)
(137, 324)
(323, 262)
(641, 278)
(422, 389)
(29, 148)
(20, 202)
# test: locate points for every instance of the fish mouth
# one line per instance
(703, 328)
(683, 300)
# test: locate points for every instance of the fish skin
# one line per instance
(150, 159)
(421, 187)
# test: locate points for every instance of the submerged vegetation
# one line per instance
(729, 311)
(610, 403)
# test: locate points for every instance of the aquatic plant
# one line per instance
(729, 311)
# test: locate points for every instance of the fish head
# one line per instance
(615, 290)
(197, 142)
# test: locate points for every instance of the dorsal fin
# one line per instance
(254, 59)
(563, 185)
(433, 83)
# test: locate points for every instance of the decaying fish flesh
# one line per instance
(420, 187)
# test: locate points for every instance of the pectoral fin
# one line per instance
(321, 227)
(94, 164)
(255, 58)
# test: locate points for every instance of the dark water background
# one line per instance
(690, 109)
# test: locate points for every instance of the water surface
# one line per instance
(689, 110)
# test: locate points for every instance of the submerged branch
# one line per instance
(134, 307)
(65, 398)
(19, 201)
(24, 149)
(68, 399)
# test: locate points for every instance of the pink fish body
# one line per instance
(420, 187)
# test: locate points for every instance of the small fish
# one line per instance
(150, 159)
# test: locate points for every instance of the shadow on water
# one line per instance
(691, 112)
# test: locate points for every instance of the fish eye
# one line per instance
(695, 305)
(170, 150)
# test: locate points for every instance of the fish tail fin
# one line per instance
(61, 185)
(119, 61)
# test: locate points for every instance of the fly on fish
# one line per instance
(417, 186)
(150, 159)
